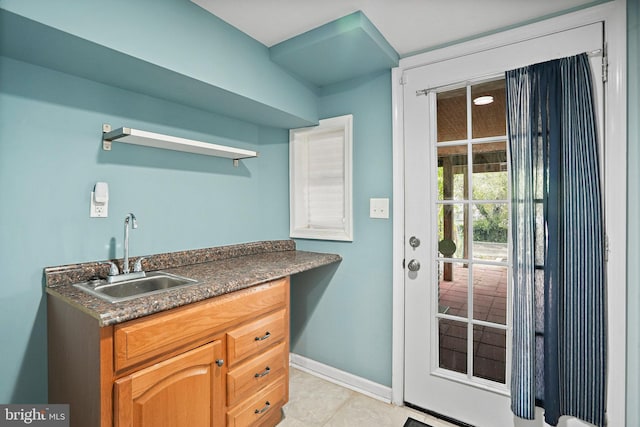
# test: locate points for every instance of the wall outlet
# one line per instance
(379, 208)
(98, 210)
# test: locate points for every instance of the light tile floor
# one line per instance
(314, 402)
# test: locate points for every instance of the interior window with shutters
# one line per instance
(320, 180)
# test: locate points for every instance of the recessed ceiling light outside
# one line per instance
(483, 100)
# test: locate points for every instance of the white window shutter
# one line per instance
(320, 172)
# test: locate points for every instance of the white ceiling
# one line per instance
(408, 25)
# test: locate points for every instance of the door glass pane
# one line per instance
(490, 293)
(489, 360)
(488, 109)
(453, 288)
(453, 345)
(452, 173)
(452, 231)
(473, 226)
(490, 171)
(490, 231)
(452, 115)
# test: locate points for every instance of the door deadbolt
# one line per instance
(414, 242)
(413, 265)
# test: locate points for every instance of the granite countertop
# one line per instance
(218, 270)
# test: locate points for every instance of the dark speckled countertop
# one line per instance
(218, 270)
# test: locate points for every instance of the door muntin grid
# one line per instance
(471, 203)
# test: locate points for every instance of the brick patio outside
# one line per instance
(489, 304)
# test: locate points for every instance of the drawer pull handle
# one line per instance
(263, 373)
(267, 405)
(264, 337)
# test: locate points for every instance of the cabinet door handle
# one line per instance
(220, 362)
(264, 337)
(263, 373)
(266, 407)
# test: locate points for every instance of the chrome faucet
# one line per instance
(134, 224)
(126, 272)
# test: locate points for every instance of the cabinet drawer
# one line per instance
(256, 336)
(264, 405)
(145, 338)
(254, 374)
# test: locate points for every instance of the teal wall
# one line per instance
(50, 158)
(175, 35)
(633, 213)
(341, 315)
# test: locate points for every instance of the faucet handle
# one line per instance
(137, 267)
(113, 269)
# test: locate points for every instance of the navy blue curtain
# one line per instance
(559, 331)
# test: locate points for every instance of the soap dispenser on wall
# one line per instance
(100, 201)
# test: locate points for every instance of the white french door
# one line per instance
(457, 296)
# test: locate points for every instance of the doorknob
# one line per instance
(414, 242)
(413, 265)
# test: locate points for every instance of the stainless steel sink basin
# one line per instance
(154, 282)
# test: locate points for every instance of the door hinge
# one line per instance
(606, 249)
(403, 260)
(605, 64)
(403, 79)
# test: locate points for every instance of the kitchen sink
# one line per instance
(153, 283)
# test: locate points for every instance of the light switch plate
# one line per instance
(379, 208)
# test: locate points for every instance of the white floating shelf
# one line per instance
(167, 142)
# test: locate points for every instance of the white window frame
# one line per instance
(299, 160)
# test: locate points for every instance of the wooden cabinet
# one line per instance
(218, 362)
(244, 380)
(183, 390)
(261, 409)
(257, 385)
(255, 337)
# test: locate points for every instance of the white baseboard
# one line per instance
(341, 378)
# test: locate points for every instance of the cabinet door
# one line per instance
(185, 390)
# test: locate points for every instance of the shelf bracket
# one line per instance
(106, 145)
